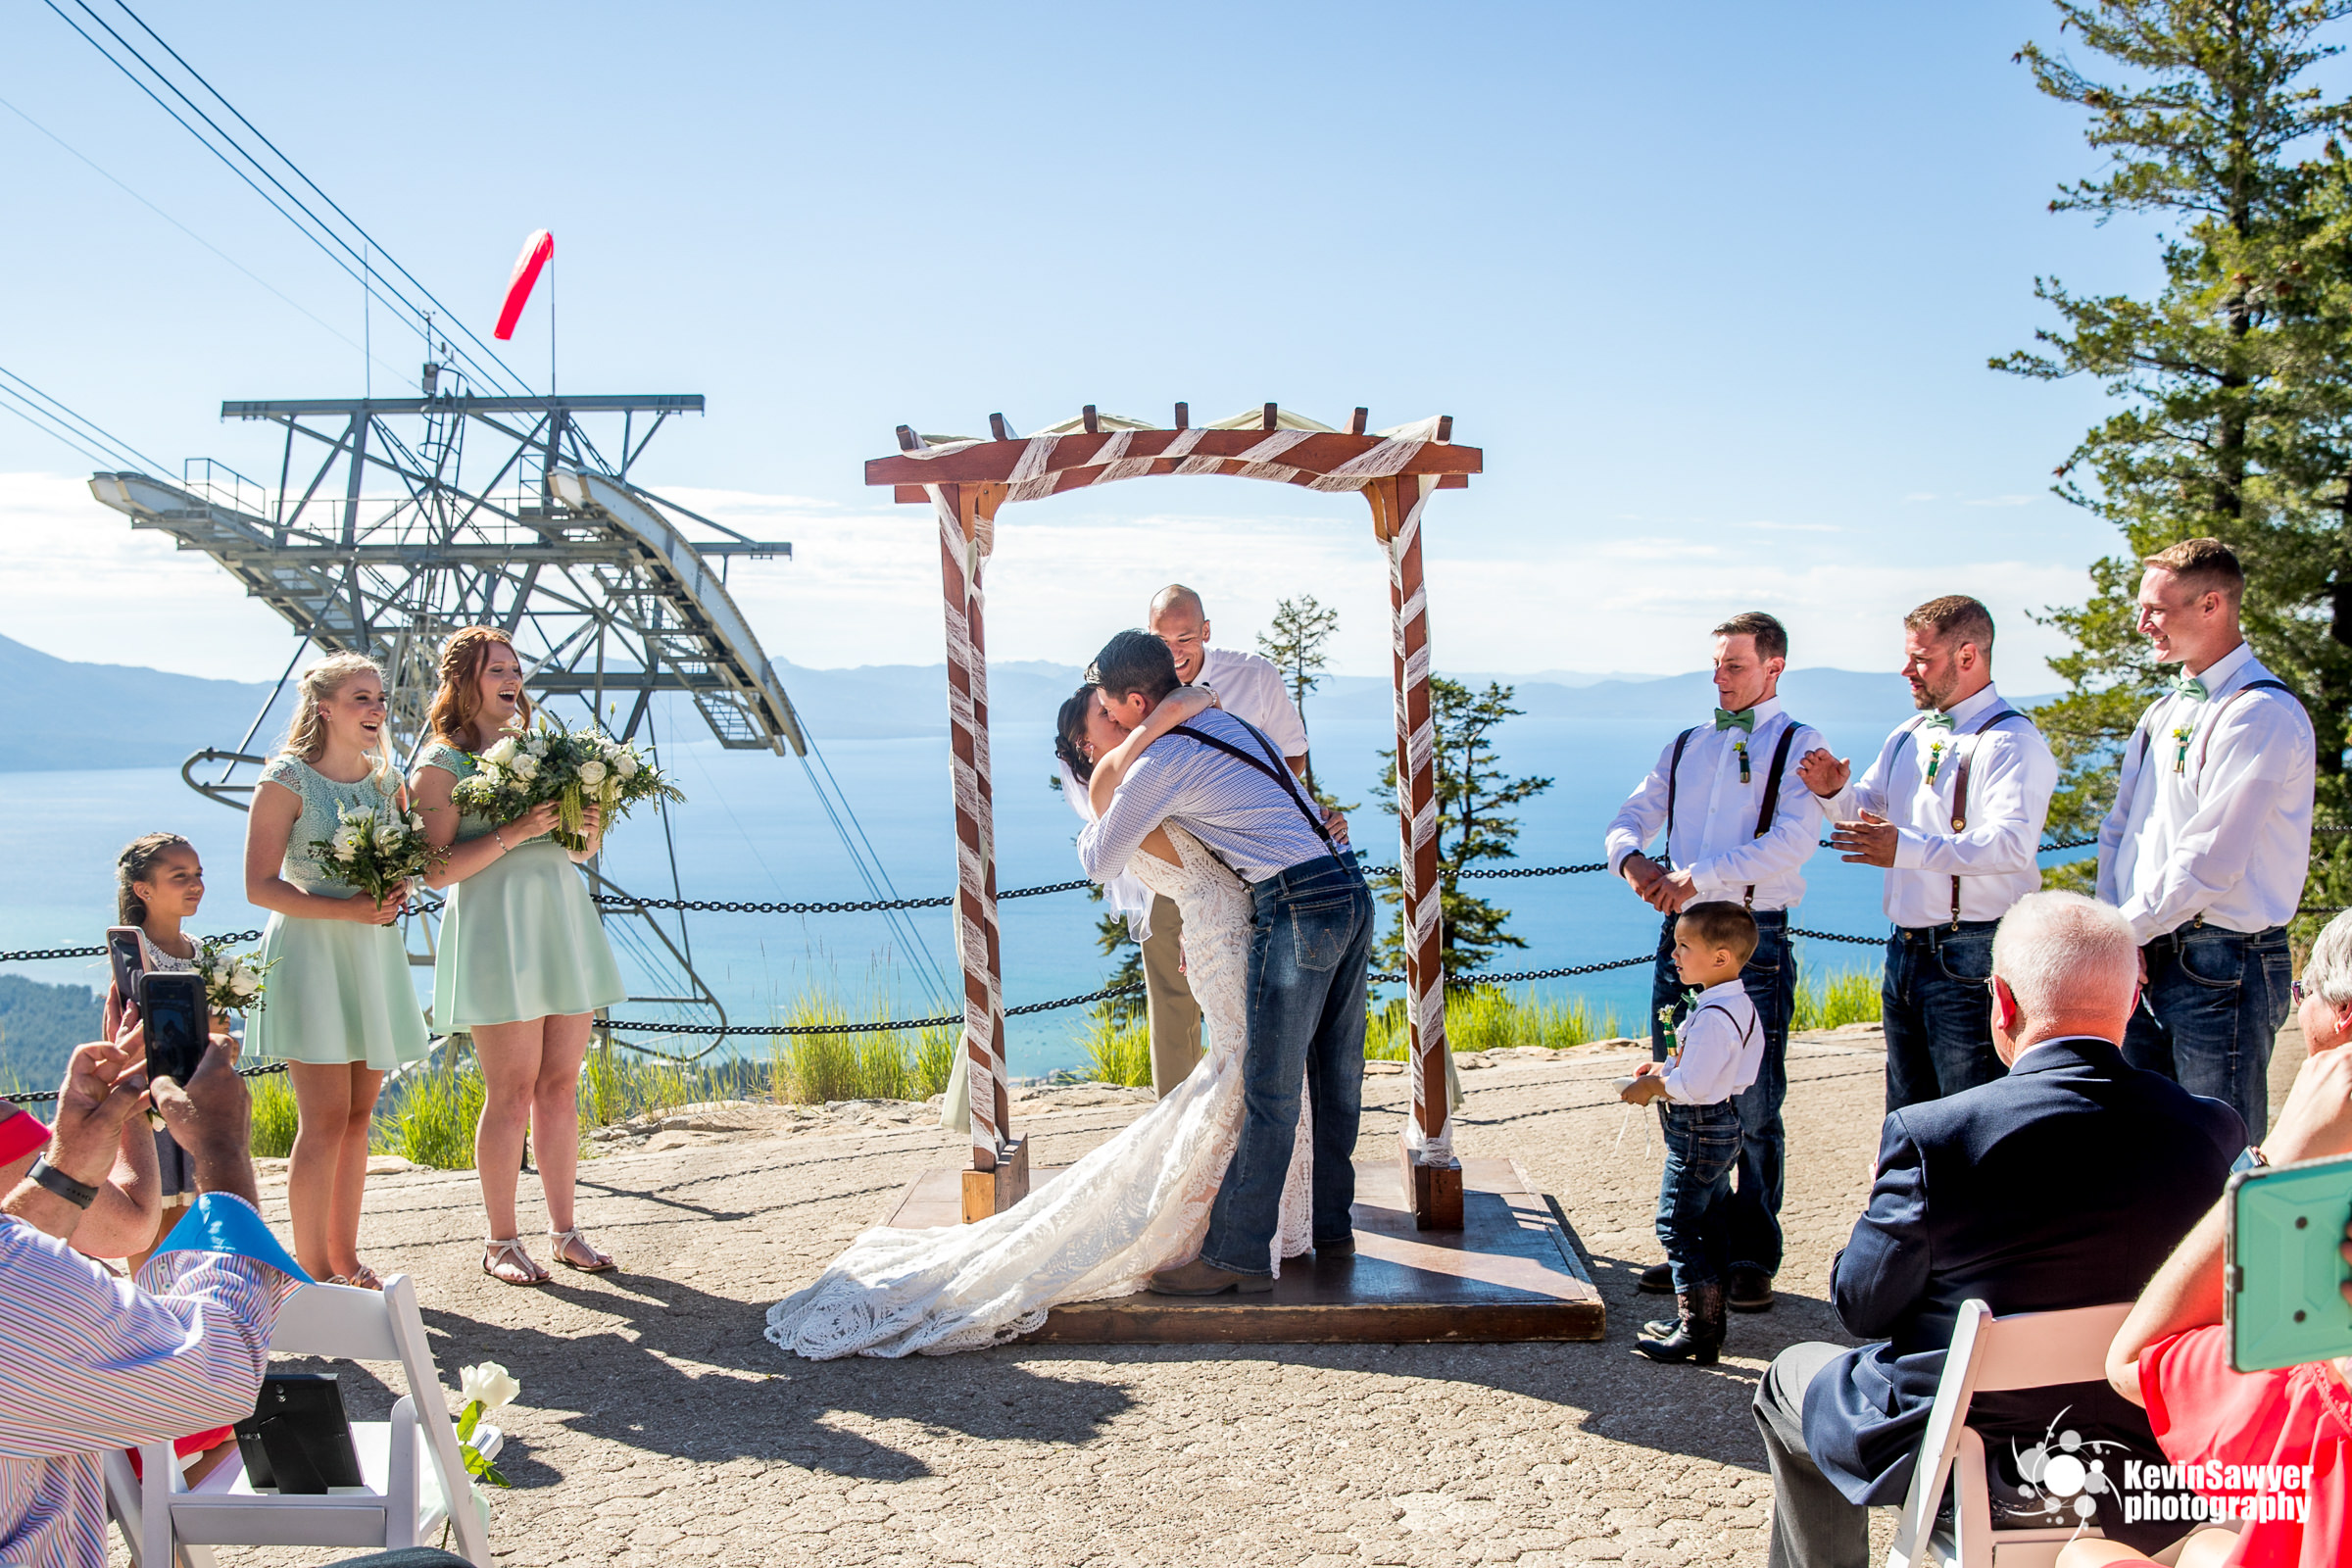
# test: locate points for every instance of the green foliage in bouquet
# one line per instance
(574, 769)
(379, 850)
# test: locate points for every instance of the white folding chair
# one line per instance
(1992, 1356)
(408, 1489)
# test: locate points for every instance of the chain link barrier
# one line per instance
(31, 1096)
(31, 955)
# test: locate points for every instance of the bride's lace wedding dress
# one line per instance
(1138, 1203)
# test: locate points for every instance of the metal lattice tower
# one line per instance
(397, 520)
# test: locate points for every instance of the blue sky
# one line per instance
(1713, 286)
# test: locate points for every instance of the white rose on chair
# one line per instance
(486, 1388)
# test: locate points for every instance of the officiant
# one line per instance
(1737, 825)
(1250, 688)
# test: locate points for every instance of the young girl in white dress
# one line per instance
(159, 883)
(1134, 1204)
(342, 1011)
(523, 962)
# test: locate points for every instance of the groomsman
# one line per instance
(2206, 850)
(1737, 826)
(1250, 688)
(1953, 808)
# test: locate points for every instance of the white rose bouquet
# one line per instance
(233, 982)
(574, 769)
(379, 851)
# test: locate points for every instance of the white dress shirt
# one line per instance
(2224, 831)
(1713, 835)
(1125, 893)
(2010, 776)
(1718, 1047)
(1256, 824)
(1250, 688)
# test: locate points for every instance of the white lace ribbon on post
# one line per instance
(962, 561)
(1425, 978)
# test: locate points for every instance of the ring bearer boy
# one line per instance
(1737, 825)
(1953, 808)
(2208, 845)
(1718, 1047)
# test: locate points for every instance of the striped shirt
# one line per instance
(1254, 824)
(89, 1361)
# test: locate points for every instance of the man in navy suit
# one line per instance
(2063, 1184)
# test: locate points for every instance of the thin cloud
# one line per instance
(2002, 501)
(1794, 527)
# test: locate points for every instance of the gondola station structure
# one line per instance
(1445, 1251)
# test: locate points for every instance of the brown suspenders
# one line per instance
(2205, 740)
(1964, 754)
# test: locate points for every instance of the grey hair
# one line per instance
(2328, 972)
(2066, 956)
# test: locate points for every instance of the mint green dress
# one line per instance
(340, 991)
(519, 938)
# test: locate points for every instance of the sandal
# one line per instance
(563, 1241)
(509, 1254)
(365, 1279)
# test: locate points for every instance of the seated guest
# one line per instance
(87, 1362)
(2060, 1185)
(2173, 1356)
(2323, 996)
(120, 1222)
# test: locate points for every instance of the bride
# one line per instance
(1137, 1203)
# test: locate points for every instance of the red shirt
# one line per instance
(2206, 1415)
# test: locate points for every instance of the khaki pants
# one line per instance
(1175, 1017)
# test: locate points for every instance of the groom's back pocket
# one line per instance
(1321, 931)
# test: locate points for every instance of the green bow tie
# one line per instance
(1936, 721)
(2191, 687)
(1744, 719)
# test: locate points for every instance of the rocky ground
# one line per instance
(656, 1425)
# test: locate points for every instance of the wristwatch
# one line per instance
(80, 1195)
(2252, 1159)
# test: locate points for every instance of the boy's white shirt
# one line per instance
(1722, 1046)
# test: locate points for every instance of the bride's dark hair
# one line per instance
(1070, 733)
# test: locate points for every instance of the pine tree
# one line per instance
(1472, 794)
(2235, 378)
(1302, 626)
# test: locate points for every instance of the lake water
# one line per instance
(753, 830)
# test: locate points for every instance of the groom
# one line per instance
(1309, 949)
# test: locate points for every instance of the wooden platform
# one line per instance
(1508, 1275)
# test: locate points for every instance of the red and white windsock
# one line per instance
(537, 252)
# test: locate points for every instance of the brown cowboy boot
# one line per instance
(1697, 1331)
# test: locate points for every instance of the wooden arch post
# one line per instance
(1432, 1175)
(965, 480)
(999, 1175)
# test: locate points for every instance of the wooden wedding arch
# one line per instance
(966, 480)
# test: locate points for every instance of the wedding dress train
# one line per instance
(1136, 1204)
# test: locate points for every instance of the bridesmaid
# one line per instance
(342, 1011)
(523, 962)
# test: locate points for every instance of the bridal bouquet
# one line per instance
(233, 982)
(574, 769)
(379, 850)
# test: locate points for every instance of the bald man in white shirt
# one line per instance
(1250, 688)
(2207, 848)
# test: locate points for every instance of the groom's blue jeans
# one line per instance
(1311, 946)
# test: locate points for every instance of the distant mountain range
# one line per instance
(58, 714)
(877, 701)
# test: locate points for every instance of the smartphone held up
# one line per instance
(2284, 1264)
